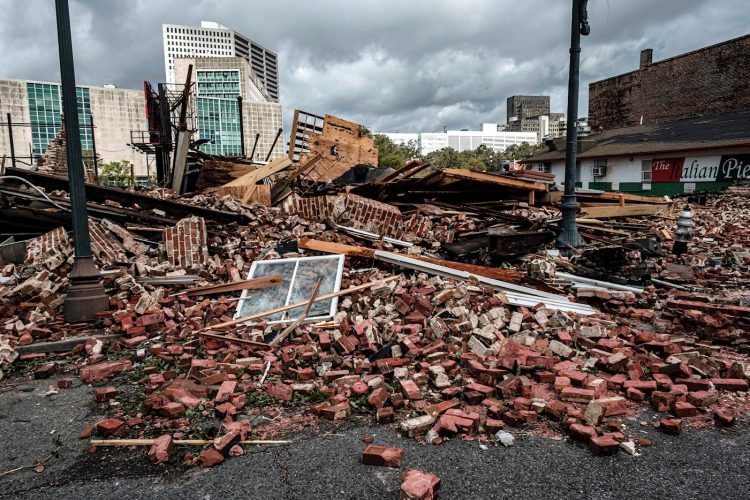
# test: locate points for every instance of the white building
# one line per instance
(214, 40)
(491, 136)
(401, 138)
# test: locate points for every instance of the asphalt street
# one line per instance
(325, 465)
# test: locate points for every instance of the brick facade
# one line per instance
(186, 243)
(348, 210)
(714, 79)
(105, 246)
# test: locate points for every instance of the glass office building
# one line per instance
(219, 111)
(45, 110)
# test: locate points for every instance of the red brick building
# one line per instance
(714, 79)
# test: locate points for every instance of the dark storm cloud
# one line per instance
(393, 65)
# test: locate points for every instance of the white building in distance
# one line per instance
(214, 40)
(490, 135)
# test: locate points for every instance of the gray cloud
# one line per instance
(393, 65)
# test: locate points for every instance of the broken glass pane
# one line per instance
(299, 277)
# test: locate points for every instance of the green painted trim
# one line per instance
(630, 187)
(601, 186)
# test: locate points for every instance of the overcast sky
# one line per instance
(396, 66)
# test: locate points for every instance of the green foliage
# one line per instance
(482, 159)
(115, 173)
(394, 155)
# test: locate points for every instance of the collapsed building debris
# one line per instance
(397, 298)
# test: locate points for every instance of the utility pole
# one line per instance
(85, 296)
(568, 237)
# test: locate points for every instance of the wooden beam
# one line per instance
(618, 211)
(616, 196)
(234, 286)
(499, 180)
(257, 193)
(302, 167)
(182, 442)
(405, 168)
(327, 296)
(270, 168)
(335, 248)
(357, 251)
(215, 173)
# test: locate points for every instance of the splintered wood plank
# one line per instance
(271, 168)
(498, 180)
(234, 286)
(612, 211)
(215, 173)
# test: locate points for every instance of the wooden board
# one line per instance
(257, 193)
(234, 286)
(215, 173)
(271, 168)
(498, 180)
(607, 212)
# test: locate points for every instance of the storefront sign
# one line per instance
(725, 168)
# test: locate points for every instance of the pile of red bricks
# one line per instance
(435, 358)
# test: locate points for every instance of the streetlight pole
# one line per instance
(85, 296)
(568, 237)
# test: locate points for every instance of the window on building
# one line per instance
(646, 170)
(544, 167)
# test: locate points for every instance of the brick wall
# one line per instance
(54, 161)
(105, 246)
(186, 243)
(714, 79)
(49, 250)
(348, 210)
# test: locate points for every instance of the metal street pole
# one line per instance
(568, 237)
(85, 296)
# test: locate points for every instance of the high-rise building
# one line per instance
(524, 106)
(214, 40)
(230, 124)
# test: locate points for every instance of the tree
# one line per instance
(394, 155)
(115, 173)
(444, 158)
(518, 151)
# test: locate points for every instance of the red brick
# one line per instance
(110, 427)
(161, 450)
(702, 399)
(724, 416)
(603, 445)
(410, 390)
(383, 456)
(684, 409)
(575, 395)
(670, 425)
(418, 485)
(102, 371)
(210, 457)
(730, 384)
(378, 397)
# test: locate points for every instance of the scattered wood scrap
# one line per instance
(234, 286)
